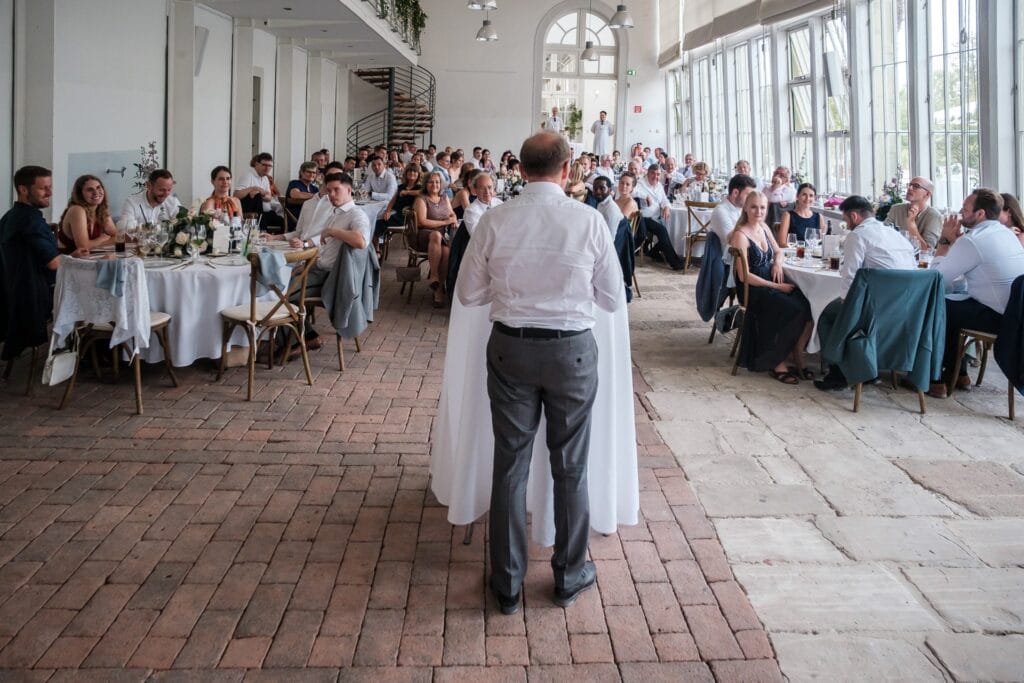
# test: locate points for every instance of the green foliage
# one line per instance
(574, 123)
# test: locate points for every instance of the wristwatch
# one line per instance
(943, 241)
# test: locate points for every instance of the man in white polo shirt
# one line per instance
(156, 200)
(727, 213)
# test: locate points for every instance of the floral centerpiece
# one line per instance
(149, 161)
(713, 187)
(514, 182)
(892, 194)
(181, 227)
(832, 201)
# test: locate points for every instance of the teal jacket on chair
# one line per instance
(890, 320)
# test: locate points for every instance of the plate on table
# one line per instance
(161, 262)
(279, 245)
(232, 260)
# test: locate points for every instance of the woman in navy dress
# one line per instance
(778, 324)
(801, 216)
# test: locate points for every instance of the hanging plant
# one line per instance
(419, 22)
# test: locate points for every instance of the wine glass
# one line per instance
(160, 239)
(197, 242)
(811, 238)
(791, 240)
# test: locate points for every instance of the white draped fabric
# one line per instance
(462, 453)
(819, 285)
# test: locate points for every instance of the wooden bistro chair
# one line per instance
(260, 317)
(312, 302)
(638, 251)
(739, 267)
(693, 216)
(410, 235)
(79, 275)
(986, 340)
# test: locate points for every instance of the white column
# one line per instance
(289, 120)
(995, 99)
(314, 103)
(341, 121)
(6, 102)
(33, 83)
(241, 97)
(917, 73)
(181, 95)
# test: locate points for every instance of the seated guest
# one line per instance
(515, 167)
(801, 217)
(780, 190)
(727, 214)
(258, 193)
(320, 159)
(1011, 216)
(431, 155)
(674, 178)
(635, 168)
(576, 187)
(86, 223)
(434, 216)
(778, 318)
(742, 167)
(154, 201)
(916, 216)
(870, 244)
(687, 168)
(406, 154)
(222, 200)
(989, 258)
(606, 205)
(486, 162)
(405, 195)
(420, 159)
(456, 160)
(442, 164)
(395, 165)
(303, 188)
(503, 163)
(483, 186)
(699, 174)
(363, 156)
(478, 153)
(466, 195)
(350, 165)
(605, 169)
(627, 205)
(381, 184)
(28, 261)
(650, 197)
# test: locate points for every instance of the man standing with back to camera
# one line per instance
(542, 261)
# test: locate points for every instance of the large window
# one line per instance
(741, 86)
(702, 94)
(801, 96)
(568, 81)
(838, 155)
(764, 108)
(1019, 79)
(953, 99)
(719, 157)
(890, 99)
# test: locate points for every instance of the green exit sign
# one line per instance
(631, 72)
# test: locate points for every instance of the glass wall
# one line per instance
(890, 95)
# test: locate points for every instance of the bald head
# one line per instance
(544, 156)
(921, 183)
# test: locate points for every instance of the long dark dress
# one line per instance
(775, 320)
(798, 224)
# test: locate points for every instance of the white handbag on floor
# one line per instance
(60, 363)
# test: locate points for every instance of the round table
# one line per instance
(372, 209)
(678, 222)
(819, 285)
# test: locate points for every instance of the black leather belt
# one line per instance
(535, 332)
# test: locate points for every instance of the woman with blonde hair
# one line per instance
(434, 215)
(576, 187)
(86, 223)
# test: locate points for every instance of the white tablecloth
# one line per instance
(194, 297)
(677, 222)
(373, 210)
(462, 453)
(820, 285)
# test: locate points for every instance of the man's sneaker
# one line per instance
(831, 382)
(564, 598)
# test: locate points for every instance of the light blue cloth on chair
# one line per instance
(110, 276)
(272, 263)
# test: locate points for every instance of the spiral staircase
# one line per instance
(409, 114)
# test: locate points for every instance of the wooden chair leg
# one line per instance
(161, 335)
(636, 287)
(341, 354)
(32, 363)
(1010, 397)
(227, 327)
(273, 340)
(137, 368)
(920, 400)
(689, 254)
(115, 362)
(95, 359)
(467, 539)
(892, 379)
(736, 350)
(856, 396)
(305, 357)
(408, 298)
(984, 361)
(71, 383)
(253, 339)
(714, 329)
(961, 348)
(8, 369)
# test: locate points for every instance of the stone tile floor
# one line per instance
(295, 538)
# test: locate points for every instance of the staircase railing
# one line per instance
(413, 86)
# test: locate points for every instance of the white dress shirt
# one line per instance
(471, 216)
(989, 258)
(253, 179)
(382, 187)
(312, 220)
(554, 124)
(785, 193)
(138, 206)
(657, 195)
(612, 214)
(873, 245)
(345, 217)
(724, 218)
(541, 260)
(607, 172)
(405, 157)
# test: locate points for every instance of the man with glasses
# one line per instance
(258, 193)
(916, 216)
(988, 258)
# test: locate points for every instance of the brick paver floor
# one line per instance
(295, 538)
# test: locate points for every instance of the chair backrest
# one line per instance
(741, 268)
(78, 300)
(694, 215)
(411, 233)
(296, 285)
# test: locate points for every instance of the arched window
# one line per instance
(566, 80)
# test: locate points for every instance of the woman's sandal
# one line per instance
(785, 377)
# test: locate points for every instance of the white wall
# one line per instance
(343, 102)
(329, 106)
(97, 107)
(212, 106)
(298, 128)
(6, 102)
(486, 90)
(264, 62)
(363, 99)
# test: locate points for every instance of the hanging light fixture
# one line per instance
(621, 18)
(589, 54)
(487, 32)
(482, 4)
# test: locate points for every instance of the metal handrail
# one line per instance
(415, 83)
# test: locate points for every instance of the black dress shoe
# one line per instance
(831, 382)
(508, 605)
(564, 598)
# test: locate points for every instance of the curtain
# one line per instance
(670, 32)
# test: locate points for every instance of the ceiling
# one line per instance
(345, 31)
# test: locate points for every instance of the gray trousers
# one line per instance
(522, 376)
